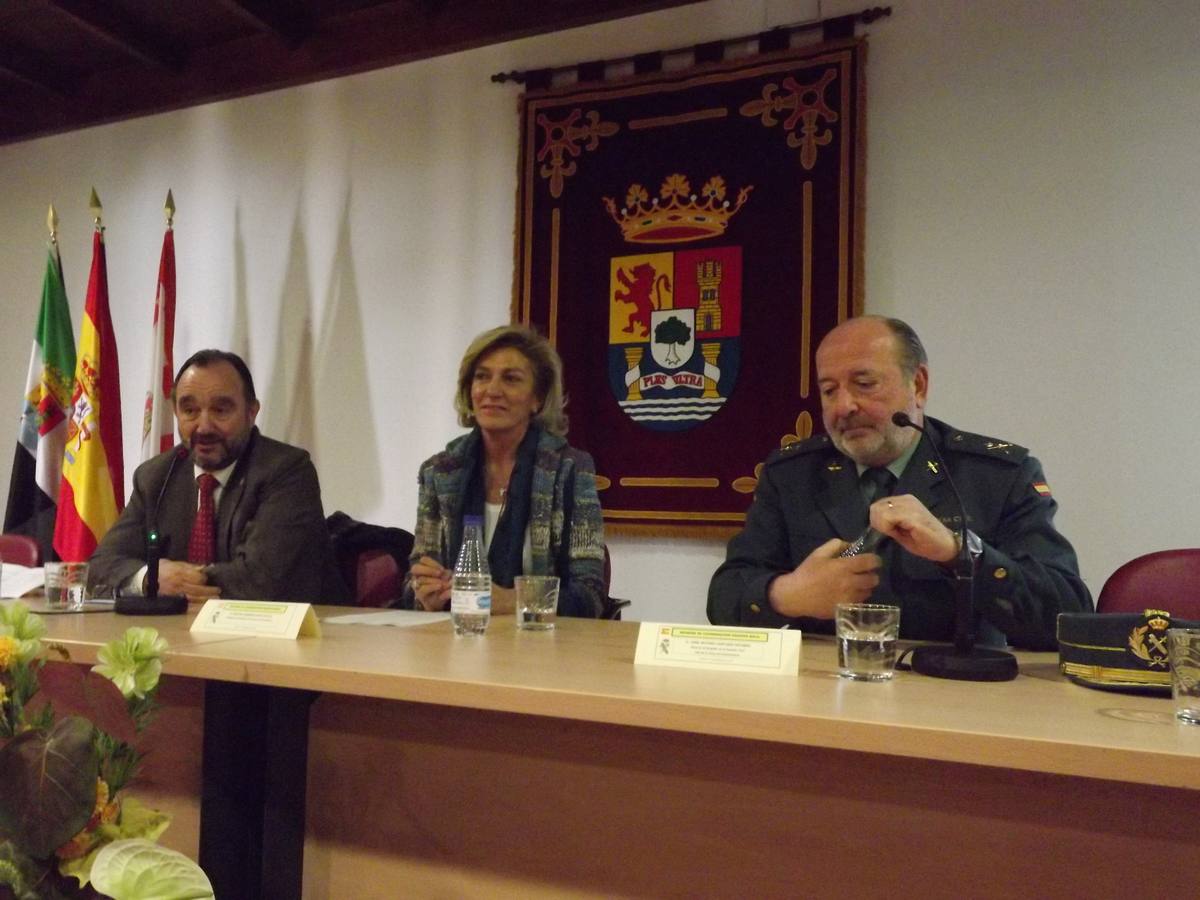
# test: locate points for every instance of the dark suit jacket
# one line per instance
(272, 542)
(808, 493)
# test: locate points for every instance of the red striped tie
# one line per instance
(202, 546)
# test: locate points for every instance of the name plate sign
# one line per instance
(771, 650)
(257, 618)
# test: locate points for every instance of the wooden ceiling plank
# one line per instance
(374, 36)
(289, 21)
(106, 22)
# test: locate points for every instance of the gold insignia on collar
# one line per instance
(997, 445)
(835, 467)
(933, 466)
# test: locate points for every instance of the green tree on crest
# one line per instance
(673, 332)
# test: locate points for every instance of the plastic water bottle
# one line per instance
(471, 590)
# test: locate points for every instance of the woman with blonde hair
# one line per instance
(536, 493)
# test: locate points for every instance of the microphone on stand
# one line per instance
(151, 604)
(963, 661)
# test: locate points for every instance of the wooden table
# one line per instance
(530, 764)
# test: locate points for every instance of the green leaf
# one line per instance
(140, 870)
(77, 691)
(19, 873)
(136, 821)
(49, 783)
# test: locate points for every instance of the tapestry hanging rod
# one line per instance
(777, 38)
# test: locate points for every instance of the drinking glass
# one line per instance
(866, 636)
(537, 602)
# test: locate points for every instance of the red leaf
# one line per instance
(74, 690)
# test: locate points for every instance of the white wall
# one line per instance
(1033, 208)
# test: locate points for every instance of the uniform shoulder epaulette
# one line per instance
(800, 448)
(980, 445)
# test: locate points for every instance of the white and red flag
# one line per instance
(158, 421)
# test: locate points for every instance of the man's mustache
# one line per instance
(847, 424)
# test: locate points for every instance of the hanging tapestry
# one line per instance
(685, 239)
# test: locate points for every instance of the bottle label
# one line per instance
(470, 601)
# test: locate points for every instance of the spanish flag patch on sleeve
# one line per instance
(1042, 488)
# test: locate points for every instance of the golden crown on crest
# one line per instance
(676, 214)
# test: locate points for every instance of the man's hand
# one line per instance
(431, 584)
(907, 522)
(816, 586)
(176, 577)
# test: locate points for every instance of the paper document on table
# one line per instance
(397, 618)
(773, 650)
(17, 581)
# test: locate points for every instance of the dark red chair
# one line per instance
(377, 578)
(20, 549)
(1168, 579)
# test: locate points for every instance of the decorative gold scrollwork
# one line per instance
(807, 106)
(569, 137)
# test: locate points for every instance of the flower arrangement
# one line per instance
(67, 752)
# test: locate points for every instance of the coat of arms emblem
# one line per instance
(673, 334)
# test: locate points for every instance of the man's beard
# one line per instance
(883, 447)
(231, 447)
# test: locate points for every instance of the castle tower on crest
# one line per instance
(708, 279)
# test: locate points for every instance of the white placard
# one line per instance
(772, 650)
(259, 618)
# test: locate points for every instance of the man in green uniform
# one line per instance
(816, 495)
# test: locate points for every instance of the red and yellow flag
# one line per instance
(92, 493)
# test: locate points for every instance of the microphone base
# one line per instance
(162, 605)
(976, 664)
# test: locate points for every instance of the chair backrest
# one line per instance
(1168, 579)
(20, 549)
(377, 578)
(373, 558)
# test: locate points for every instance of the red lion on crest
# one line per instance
(638, 292)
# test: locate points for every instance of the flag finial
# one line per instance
(95, 207)
(169, 209)
(52, 223)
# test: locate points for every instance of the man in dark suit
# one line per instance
(815, 495)
(239, 517)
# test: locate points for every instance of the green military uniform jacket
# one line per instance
(808, 493)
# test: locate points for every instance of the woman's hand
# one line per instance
(431, 584)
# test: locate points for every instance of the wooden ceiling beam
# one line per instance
(109, 24)
(33, 69)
